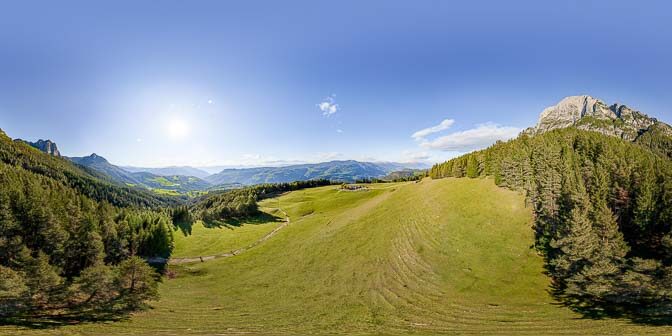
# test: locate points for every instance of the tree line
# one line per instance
(241, 203)
(603, 213)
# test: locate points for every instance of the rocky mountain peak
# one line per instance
(93, 158)
(588, 113)
(570, 110)
(46, 146)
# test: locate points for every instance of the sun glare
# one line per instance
(177, 128)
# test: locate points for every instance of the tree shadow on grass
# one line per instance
(260, 217)
(184, 226)
(231, 223)
(652, 315)
(108, 313)
(635, 314)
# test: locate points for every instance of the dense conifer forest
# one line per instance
(17, 154)
(70, 242)
(603, 212)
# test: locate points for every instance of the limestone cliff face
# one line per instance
(46, 146)
(588, 113)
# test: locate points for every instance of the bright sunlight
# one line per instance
(177, 128)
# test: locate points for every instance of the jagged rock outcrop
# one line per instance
(46, 146)
(588, 113)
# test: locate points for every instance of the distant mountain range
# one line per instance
(163, 184)
(347, 171)
(170, 171)
(179, 180)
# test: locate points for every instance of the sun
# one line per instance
(177, 128)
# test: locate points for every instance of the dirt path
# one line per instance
(173, 261)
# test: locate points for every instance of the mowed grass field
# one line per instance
(449, 256)
(204, 241)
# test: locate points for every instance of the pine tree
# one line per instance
(645, 199)
(84, 246)
(472, 166)
(576, 243)
(10, 239)
(135, 281)
(96, 283)
(42, 279)
(611, 239)
(13, 290)
(599, 279)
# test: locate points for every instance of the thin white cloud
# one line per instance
(481, 136)
(328, 106)
(421, 134)
(251, 157)
(415, 156)
(328, 156)
(339, 131)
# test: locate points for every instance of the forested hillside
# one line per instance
(66, 245)
(603, 212)
(20, 155)
(159, 184)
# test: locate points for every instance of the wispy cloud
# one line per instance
(481, 136)
(328, 156)
(421, 134)
(415, 156)
(328, 106)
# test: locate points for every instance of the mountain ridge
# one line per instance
(336, 170)
(45, 146)
(170, 184)
(169, 171)
(588, 113)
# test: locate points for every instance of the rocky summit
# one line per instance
(46, 146)
(592, 114)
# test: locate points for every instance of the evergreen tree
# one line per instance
(96, 283)
(135, 281)
(645, 201)
(41, 278)
(13, 290)
(472, 167)
(576, 243)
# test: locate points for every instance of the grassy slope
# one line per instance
(214, 240)
(447, 256)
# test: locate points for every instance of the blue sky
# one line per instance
(155, 83)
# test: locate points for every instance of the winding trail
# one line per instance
(174, 261)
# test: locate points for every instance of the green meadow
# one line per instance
(449, 256)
